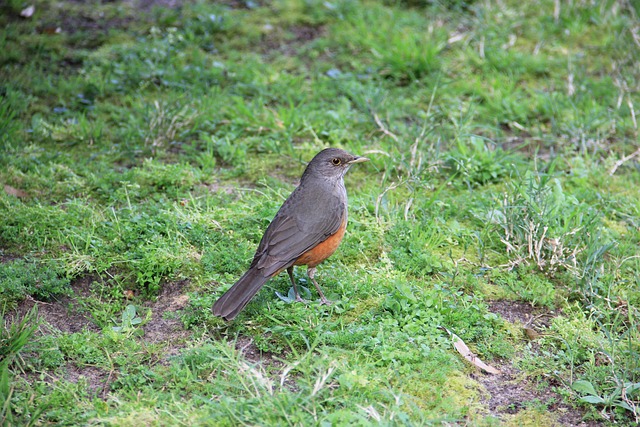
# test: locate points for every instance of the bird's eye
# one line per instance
(336, 161)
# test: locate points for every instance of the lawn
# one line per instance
(145, 145)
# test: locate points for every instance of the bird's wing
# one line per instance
(304, 220)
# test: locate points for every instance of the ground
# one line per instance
(506, 393)
(145, 146)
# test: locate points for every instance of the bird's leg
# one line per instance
(295, 287)
(311, 272)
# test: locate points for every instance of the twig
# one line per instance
(634, 34)
(246, 346)
(536, 49)
(624, 160)
(382, 127)
(393, 186)
(633, 112)
(35, 301)
(406, 209)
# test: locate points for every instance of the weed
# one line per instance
(543, 225)
(614, 399)
(396, 53)
(477, 163)
(20, 279)
(14, 336)
(167, 123)
(129, 321)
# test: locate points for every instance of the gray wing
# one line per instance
(301, 223)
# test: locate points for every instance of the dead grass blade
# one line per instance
(462, 348)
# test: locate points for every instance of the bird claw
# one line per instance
(323, 301)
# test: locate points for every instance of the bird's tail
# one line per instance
(233, 301)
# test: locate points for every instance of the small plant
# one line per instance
(291, 295)
(168, 124)
(477, 163)
(129, 322)
(623, 396)
(542, 224)
(20, 279)
(14, 336)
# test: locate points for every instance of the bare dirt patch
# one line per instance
(512, 391)
(97, 380)
(54, 18)
(145, 5)
(288, 42)
(523, 312)
(306, 33)
(248, 349)
(150, 4)
(61, 314)
(7, 257)
(165, 327)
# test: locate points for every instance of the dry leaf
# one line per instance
(531, 333)
(15, 192)
(462, 348)
(28, 11)
(51, 30)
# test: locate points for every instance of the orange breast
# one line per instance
(323, 250)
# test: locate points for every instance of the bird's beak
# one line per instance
(358, 160)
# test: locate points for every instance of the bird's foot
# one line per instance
(300, 299)
(324, 301)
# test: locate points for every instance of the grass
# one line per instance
(144, 151)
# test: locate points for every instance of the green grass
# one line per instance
(143, 151)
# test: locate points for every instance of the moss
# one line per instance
(465, 393)
(532, 417)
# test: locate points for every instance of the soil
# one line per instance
(511, 390)
(248, 349)
(507, 393)
(164, 326)
(51, 21)
(274, 42)
(97, 380)
(61, 315)
(7, 257)
(523, 312)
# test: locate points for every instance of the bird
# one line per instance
(306, 230)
